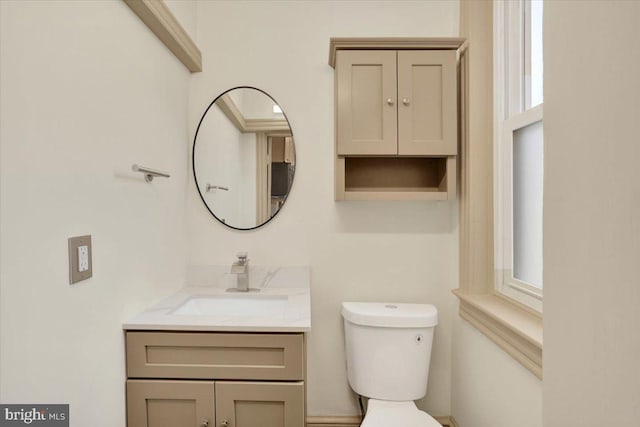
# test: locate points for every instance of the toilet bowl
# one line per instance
(385, 413)
(388, 350)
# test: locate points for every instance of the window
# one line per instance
(518, 133)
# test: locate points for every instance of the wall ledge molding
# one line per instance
(514, 329)
(156, 15)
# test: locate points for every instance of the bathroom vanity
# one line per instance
(206, 356)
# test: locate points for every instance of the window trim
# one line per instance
(514, 329)
(499, 318)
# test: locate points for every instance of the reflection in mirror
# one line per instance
(244, 158)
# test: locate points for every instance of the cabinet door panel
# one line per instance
(366, 121)
(169, 403)
(427, 107)
(255, 404)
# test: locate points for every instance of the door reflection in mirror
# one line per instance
(244, 158)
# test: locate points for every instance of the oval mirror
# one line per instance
(244, 158)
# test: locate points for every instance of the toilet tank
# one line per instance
(388, 348)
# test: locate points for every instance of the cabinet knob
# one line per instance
(406, 101)
(205, 423)
(389, 101)
(224, 423)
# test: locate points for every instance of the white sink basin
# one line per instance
(251, 305)
(282, 303)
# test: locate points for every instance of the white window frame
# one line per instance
(509, 115)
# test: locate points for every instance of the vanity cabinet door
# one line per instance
(159, 403)
(427, 103)
(260, 404)
(366, 95)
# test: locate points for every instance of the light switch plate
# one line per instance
(80, 263)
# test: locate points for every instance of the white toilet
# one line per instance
(388, 349)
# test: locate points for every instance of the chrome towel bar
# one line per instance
(149, 174)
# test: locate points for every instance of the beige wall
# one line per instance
(489, 388)
(592, 214)
(87, 90)
(371, 251)
(185, 12)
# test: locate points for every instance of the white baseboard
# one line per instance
(355, 421)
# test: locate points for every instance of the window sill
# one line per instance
(512, 328)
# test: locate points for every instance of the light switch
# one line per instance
(80, 264)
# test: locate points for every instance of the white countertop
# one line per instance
(212, 281)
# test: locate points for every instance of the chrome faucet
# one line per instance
(241, 268)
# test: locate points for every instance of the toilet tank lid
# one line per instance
(390, 315)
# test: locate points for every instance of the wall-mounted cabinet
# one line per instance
(396, 103)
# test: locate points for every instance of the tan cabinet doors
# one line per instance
(251, 404)
(166, 403)
(427, 108)
(152, 403)
(366, 94)
(396, 102)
